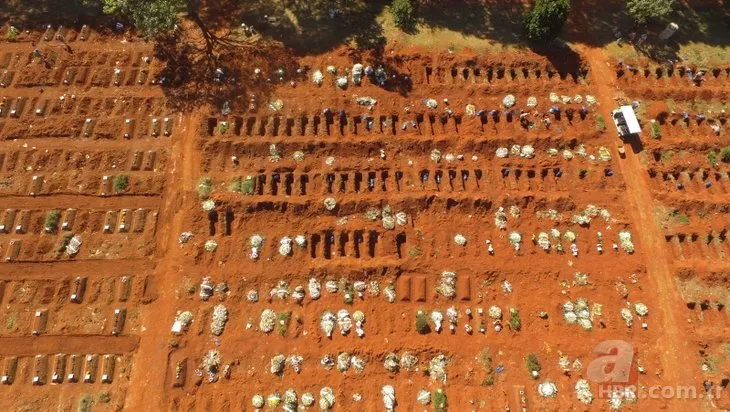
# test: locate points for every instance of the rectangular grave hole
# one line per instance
(372, 243)
(303, 181)
(357, 241)
(342, 246)
(314, 244)
(357, 181)
(400, 241)
(329, 241)
(343, 182)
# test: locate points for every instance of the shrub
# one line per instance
(533, 364)
(643, 10)
(725, 154)
(104, 397)
(120, 183)
(51, 223)
(12, 33)
(422, 322)
(403, 15)
(414, 252)
(546, 19)
(205, 187)
(600, 123)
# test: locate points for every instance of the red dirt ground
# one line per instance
(52, 157)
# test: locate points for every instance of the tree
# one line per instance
(150, 18)
(644, 10)
(546, 19)
(403, 15)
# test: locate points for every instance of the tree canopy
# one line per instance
(645, 10)
(546, 19)
(149, 17)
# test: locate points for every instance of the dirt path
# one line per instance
(154, 348)
(48, 344)
(650, 238)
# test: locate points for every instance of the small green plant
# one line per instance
(10, 321)
(514, 319)
(414, 252)
(422, 322)
(283, 320)
(667, 156)
(12, 33)
(487, 362)
(655, 130)
(235, 185)
(679, 217)
(725, 154)
(120, 183)
(85, 403)
(533, 365)
(104, 397)
(205, 187)
(248, 185)
(222, 127)
(712, 158)
(440, 402)
(403, 14)
(52, 218)
(600, 123)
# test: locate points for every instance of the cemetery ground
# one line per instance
(460, 225)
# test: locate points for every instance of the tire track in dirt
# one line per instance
(180, 192)
(91, 268)
(49, 344)
(64, 201)
(651, 238)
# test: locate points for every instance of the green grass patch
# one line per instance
(85, 403)
(205, 187)
(514, 319)
(655, 130)
(712, 158)
(235, 185)
(248, 185)
(440, 401)
(679, 217)
(667, 156)
(725, 154)
(12, 33)
(422, 322)
(121, 182)
(487, 362)
(600, 123)
(414, 252)
(533, 365)
(51, 223)
(283, 320)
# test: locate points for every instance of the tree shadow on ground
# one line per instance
(39, 13)
(317, 26)
(500, 21)
(602, 24)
